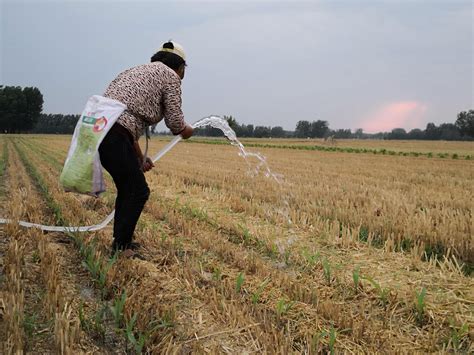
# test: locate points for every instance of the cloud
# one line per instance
(402, 114)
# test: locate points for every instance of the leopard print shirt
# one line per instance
(150, 91)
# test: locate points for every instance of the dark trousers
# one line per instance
(118, 157)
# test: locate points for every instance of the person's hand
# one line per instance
(148, 165)
(187, 132)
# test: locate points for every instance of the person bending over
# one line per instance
(151, 92)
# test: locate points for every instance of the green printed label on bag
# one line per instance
(98, 123)
(88, 119)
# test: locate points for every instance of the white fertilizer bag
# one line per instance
(82, 171)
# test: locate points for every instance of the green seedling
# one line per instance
(137, 342)
(164, 237)
(99, 320)
(35, 257)
(217, 274)
(194, 212)
(165, 322)
(3, 162)
(331, 334)
(311, 259)
(256, 295)
(458, 335)
(91, 263)
(283, 307)
(239, 282)
(356, 277)
(30, 323)
(363, 234)
(246, 235)
(316, 340)
(82, 319)
(327, 270)
(102, 278)
(332, 339)
(273, 251)
(129, 325)
(96, 325)
(117, 310)
(76, 239)
(287, 256)
(382, 292)
(420, 305)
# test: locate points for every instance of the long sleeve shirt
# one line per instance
(151, 92)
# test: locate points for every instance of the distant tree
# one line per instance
(241, 130)
(303, 129)
(277, 132)
(319, 129)
(432, 132)
(19, 108)
(248, 130)
(415, 134)
(465, 123)
(262, 132)
(341, 133)
(449, 132)
(12, 107)
(397, 133)
(359, 133)
(34, 107)
(56, 124)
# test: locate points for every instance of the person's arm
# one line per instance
(174, 118)
(147, 164)
(187, 131)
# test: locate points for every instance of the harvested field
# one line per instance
(352, 252)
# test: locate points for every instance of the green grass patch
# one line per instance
(3, 167)
(382, 151)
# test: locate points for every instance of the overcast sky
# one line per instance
(371, 64)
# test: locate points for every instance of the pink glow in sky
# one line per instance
(402, 114)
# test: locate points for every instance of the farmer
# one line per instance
(150, 91)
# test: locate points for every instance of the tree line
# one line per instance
(21, 111)
(56, 124)
(20, 108)
(462, 129)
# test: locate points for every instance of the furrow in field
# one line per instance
(58, 288)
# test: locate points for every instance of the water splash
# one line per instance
(223, 125)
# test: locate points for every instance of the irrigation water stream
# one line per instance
(213, 121)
